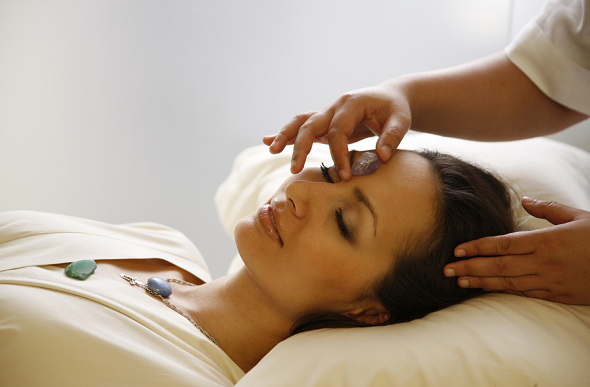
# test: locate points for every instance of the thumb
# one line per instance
(554, 212)
(394, 131)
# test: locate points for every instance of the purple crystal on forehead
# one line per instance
(366, 164)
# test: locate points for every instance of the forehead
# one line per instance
(403, 192)
(408, 167)
(410, 161)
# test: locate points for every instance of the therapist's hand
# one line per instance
(551, 263)
(381, 110)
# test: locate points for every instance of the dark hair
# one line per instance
(472, 203)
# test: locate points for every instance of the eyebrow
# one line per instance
(360, 196)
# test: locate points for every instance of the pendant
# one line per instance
(81, 269)
(159, 286)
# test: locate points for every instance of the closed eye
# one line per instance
(338, 212)
(342, 226)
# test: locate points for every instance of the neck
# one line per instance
(234, 311)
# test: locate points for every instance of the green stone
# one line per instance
(81, 269)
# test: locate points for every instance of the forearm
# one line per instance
(489, 99)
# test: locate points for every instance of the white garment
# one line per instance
(58, 331)
(553, 50)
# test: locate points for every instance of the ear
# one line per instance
(374, 314)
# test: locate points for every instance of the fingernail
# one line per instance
(460, 253)
(293, 164)
(450, 273)
(463, 283)
(386, 151)
(367, 163)
(527, 200)
(343, 175)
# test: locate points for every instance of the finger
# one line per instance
(523, 242)
(525, 283)
(510, 265)
(340, 155)
(354, 137)
(343, 124)
(315, 127)
(394, 131)
(361, 132)
(554, 212)
(278, 143)
(267, 140)
(289, 132)
(322, 140)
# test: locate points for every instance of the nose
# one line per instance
(304, 196)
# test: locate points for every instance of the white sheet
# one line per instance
(58, 331)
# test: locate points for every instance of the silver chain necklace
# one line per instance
(159, 287)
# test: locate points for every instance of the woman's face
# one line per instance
(319, 246)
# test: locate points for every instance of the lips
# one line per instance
(268, 223)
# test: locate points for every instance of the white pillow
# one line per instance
(495, 339)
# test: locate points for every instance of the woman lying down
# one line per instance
(320, 253)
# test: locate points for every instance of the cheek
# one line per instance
(251, 245)
(320, 263)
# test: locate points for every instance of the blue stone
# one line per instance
(159, 286)
(81, 269)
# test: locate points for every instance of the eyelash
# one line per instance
(338, 212)
(326, 174)
(340, 222)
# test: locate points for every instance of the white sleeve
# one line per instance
(553, 50)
